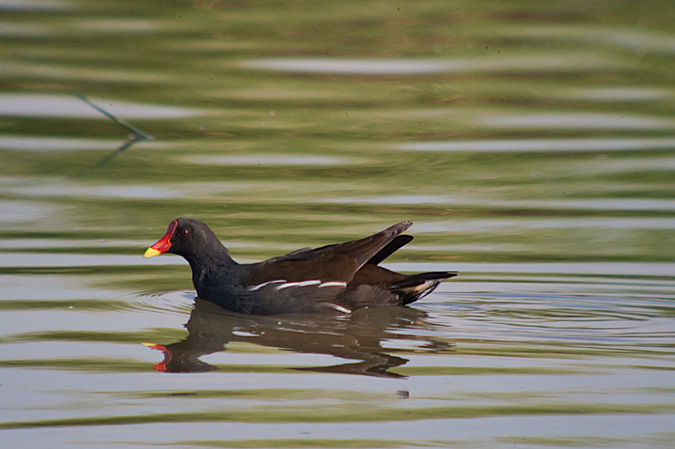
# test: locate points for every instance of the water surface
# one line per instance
(532, 144)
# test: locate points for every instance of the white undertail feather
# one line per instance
(426, 288)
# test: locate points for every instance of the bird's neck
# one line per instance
(216, 256)
(211, 268)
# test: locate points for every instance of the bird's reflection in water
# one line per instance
(355, 337)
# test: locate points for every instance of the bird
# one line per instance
(334, 279)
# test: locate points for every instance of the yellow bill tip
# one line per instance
(151, 252)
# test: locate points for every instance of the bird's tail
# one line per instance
(418, 286)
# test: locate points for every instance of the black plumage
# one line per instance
(332, 279)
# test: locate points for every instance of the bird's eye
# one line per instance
(185, 232)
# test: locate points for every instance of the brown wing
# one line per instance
(329, 263)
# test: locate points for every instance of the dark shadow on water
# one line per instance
(356, 337)
(135, 135)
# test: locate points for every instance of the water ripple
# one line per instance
(174, 302)
(542, 145)
(64, 106)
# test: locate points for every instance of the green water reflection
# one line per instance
(533, 145)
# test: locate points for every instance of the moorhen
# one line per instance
(334, 279)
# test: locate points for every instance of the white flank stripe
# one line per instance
(340, 308)
(333, 284)
(298, 284)
(259, 286)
